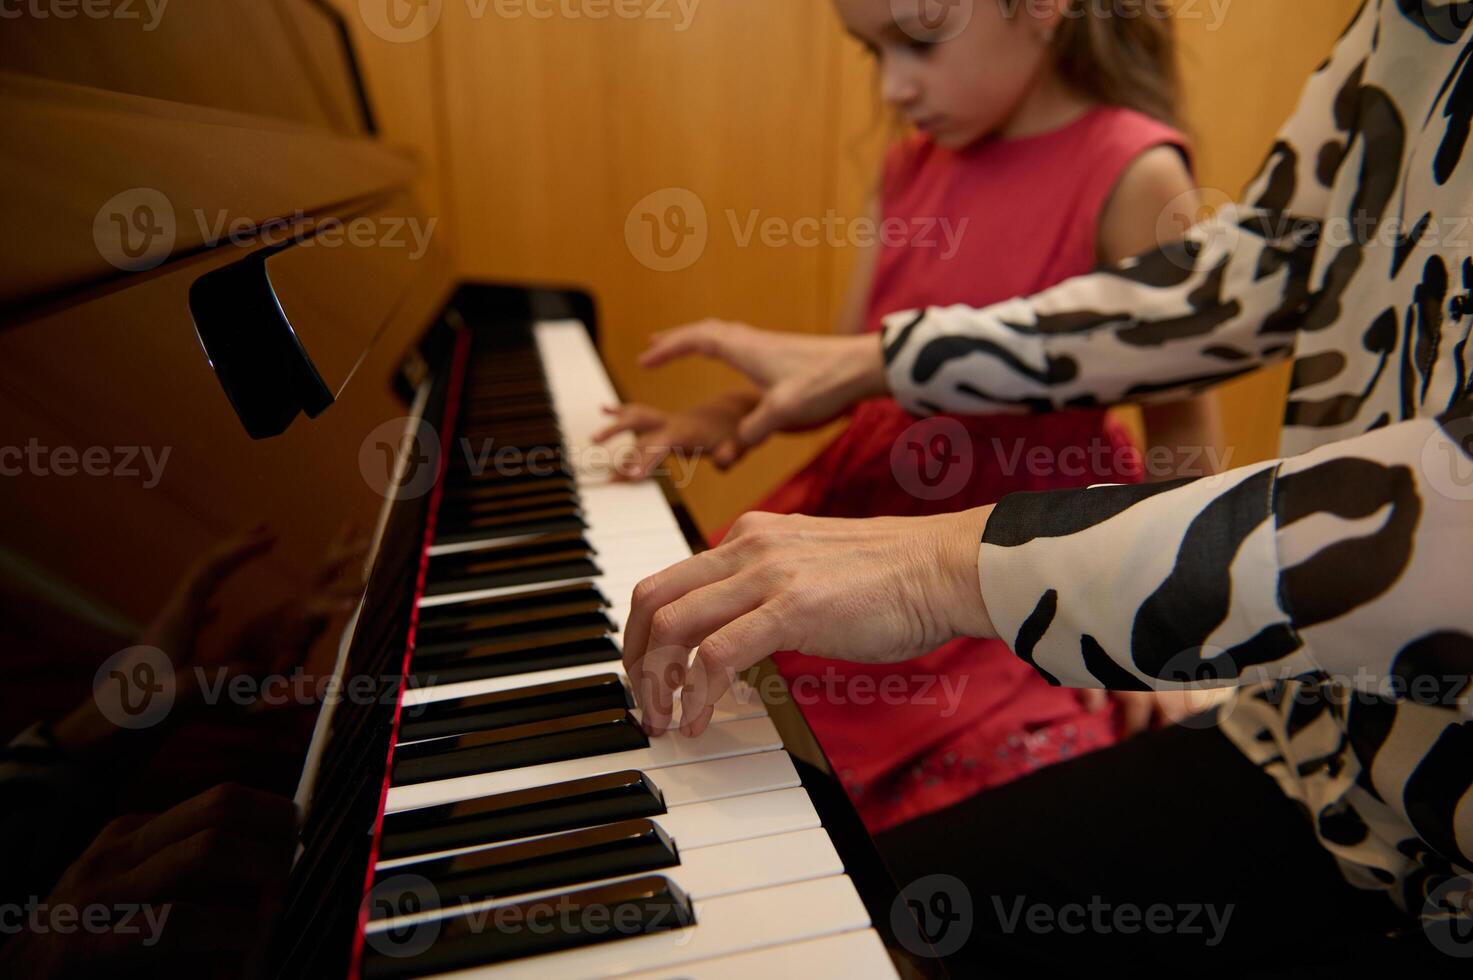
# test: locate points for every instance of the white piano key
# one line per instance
(490, 685)
(719, 779)
(580, 388)
(847, 956)
(703, 873)
(719, 741)
(740, 701)
(694, 786)
(724, 926)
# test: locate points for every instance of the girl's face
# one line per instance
(957, 69)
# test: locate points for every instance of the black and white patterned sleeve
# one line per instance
(1223, 301)
(1338, 562)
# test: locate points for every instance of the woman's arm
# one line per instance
(1217, 304)
(1168, 324)
(1336, 562)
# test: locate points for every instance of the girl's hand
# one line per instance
(1143, 710)
(872, 591)
(706, 428)
(806, 381)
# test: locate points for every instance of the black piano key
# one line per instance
(523, 706)
(472, 649)
(601, 650)
(523, 469)
(510, 489)
(509, 556)
(630, 847)
(494, 445)
(486, 508)
(556, 571)
(581, 736)
(566, 519)
(511, 610)
(629, 908)
(520, 635)
(507, 816)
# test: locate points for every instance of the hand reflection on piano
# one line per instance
(173, 644)
(209, 871)
(155, 894)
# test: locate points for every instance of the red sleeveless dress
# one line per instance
(999, 219)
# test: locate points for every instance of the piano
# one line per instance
(477, 797)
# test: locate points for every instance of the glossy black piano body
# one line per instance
(161, 397)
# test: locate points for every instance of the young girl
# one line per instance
(1045, 139)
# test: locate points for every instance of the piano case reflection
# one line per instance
(182, 270)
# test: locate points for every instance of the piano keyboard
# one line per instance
(520, 782)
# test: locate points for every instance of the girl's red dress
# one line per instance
(999, 219)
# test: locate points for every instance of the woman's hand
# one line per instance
(806, 381)
(872, 591)
(706, 428)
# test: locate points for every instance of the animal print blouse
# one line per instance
(1331, 587)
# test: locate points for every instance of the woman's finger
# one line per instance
(659, 590)
(727, 652)
(683, 625)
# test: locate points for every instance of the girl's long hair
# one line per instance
(1121, 52)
